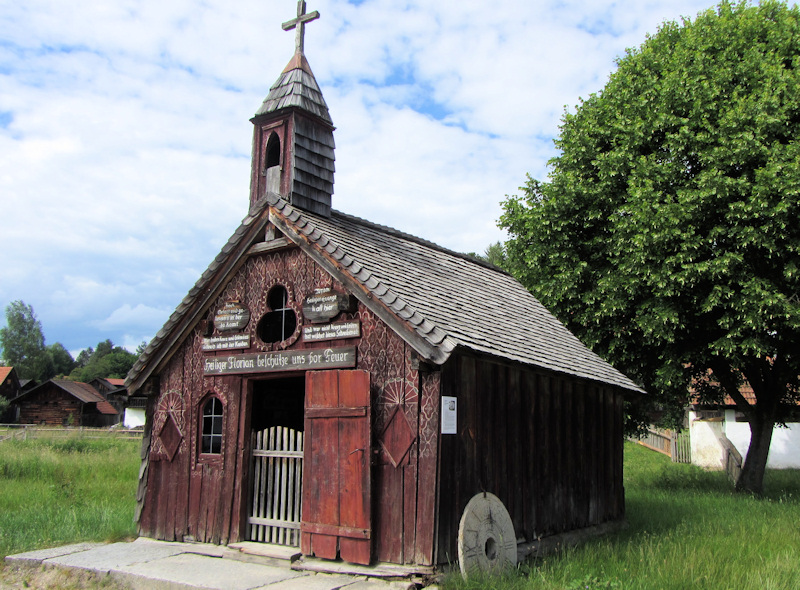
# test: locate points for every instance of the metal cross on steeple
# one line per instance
(300, 23)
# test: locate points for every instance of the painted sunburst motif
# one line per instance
(393, 392)
(393, 396)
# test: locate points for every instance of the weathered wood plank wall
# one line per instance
(548, 446)
(52, 407)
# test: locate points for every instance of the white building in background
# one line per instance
(709, 427)
(135, 412)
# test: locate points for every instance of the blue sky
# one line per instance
(125, 135)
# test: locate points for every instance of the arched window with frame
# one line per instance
(211, 443)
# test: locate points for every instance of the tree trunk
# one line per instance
(752, 477)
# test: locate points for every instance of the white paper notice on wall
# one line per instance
(449, 415)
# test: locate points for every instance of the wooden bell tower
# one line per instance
(293, 147)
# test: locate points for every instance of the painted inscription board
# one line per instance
(226, 342)
(326, 304)
(335, 331)
(232, 317)
(288, 360)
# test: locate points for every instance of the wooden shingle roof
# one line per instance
(296, 87)
(436, 299)
(445, 298)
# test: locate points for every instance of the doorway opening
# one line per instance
(277, 461)
(278, 402)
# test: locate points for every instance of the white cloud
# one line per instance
(125, 141)
(127, 315)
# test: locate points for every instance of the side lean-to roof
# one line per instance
(435, 299)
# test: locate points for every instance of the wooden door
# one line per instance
(336, 515)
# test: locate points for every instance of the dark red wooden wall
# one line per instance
(191, 496)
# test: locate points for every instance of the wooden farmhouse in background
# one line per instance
(107, 386)
(65, 403)
(114, 392)
(9, 383)
(348, 389)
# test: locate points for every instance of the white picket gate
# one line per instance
(277, 486)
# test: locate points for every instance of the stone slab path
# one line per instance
(148, 564)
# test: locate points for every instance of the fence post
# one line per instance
(673, 439)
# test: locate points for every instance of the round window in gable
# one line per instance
(280, 322)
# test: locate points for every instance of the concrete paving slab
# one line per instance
(373, 584)
(312, 581)
(287, 554)
(387, 571)
(108, 557)
(36, 557)
(199, 548)
(189, 570)
(147, 564)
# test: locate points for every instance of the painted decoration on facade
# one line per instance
(290, 360)
(397, 437)
(169, 425)
(404, 416)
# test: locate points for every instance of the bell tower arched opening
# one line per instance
(272, 163)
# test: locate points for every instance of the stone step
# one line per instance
(262, 553)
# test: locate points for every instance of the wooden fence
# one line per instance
(12, 435)
(277, 486)
(27, 431)
(675, 445)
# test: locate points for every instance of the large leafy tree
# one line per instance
(668, 232)
(63, 363)
(22, 341)
(493, 254)
(106, 360)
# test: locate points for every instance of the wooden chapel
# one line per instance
(348, 389)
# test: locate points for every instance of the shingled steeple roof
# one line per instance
(296, 87)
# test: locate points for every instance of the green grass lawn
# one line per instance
(687, 529)
(59, 491)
